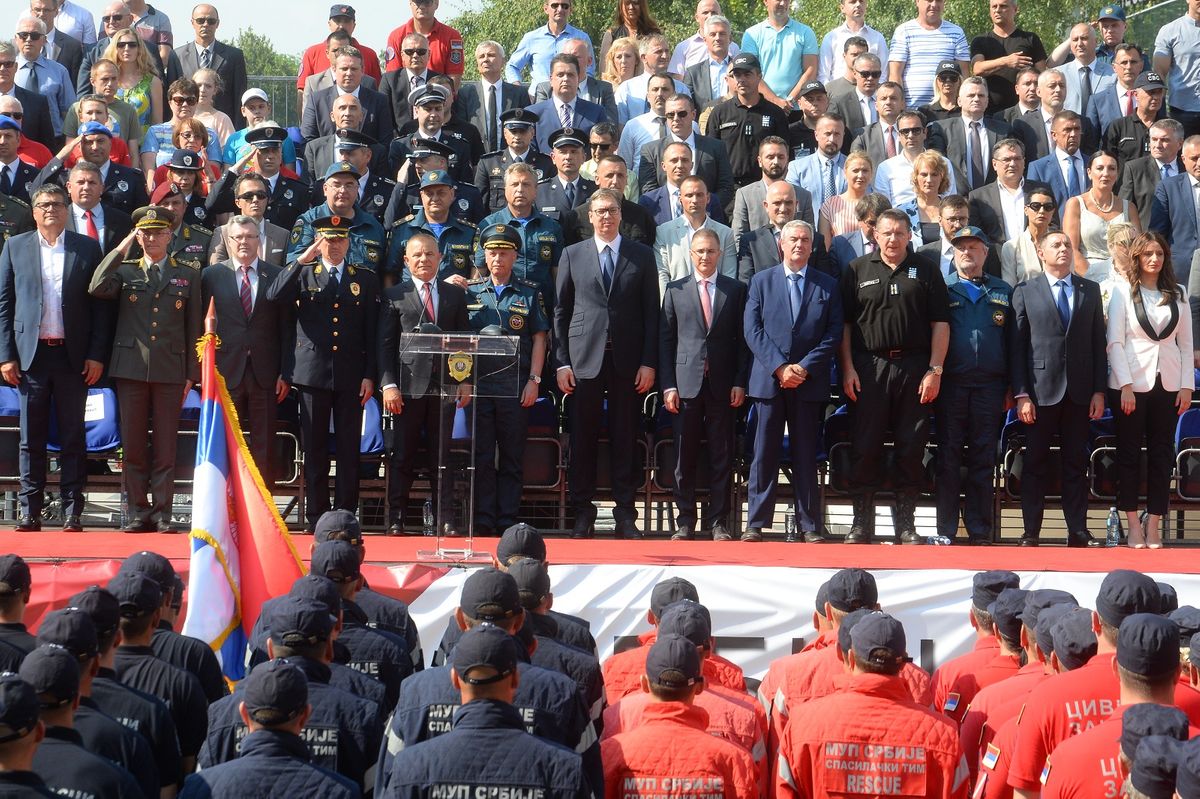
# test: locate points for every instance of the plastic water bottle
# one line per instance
(427, 517)
(1112, 535)
(938, 540)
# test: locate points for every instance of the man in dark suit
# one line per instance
(255, 333)
(558, 194)
(411, 386)
(1117, 99)
(857, 106)
(881, 140)
(517, 138)
(636, 222)
(1027, 98)
(158, 319)
(564, 108)
(205, 52)
(606, 340)
(706, 78)
(347, 75)
(399, 84)
(124, 187)
(1066, 133)
(592, 89)
(250, 195)
(709, 159)
(88, 214)
(60, 47)
(998, 207)
(16, 176)
(849, 246)
(794, 328)
(431, 108)
(337, 316)
(970, 155)
(320, 154)
(663, 202)
(758, 249)
(955, 214)
(1058, 371)
(1173, 212)
(482, 102)
(51, 348)
(36, 123)
(1141, 176)
(705, 365)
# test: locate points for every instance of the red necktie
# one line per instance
(91, 225)
(706, 303)
(429, 302)
(891, 142)
(1128, 104)
(246, 292)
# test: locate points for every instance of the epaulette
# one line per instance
(525, 283)
(403, 221)
(491, 154)
(546, 179)
(387, 181)
(21, 203)
(201, 229)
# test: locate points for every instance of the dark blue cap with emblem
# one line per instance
(185, 161)
(266, 136)
(500, 236)
(518, 118)
(342, 168)
(54, 674)
(436, 177)
(1111, 12)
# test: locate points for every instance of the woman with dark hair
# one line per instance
(1085, 218)
(630, 18)
(1150, 380)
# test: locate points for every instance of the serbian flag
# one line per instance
(242, 554)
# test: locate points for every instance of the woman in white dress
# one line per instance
(1019, 260)
(1086, 217)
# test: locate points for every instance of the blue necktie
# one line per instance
(830, 185)
(1064, 307)
(1073, 184)
(569, 190)
(607, 269)
(796, 295)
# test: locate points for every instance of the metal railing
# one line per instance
(285, 104)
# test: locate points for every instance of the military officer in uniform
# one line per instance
(502, 416)
(289, 197)
(189, 241)
(541, 237)
(375, 189)
(518, 125)
(428, 155)
(337, 317)
(15, 180)
(15, 217)
(340, 189)
(153, 362)
(558, 193)
(428, 103)
(184, 172)
(455, 237)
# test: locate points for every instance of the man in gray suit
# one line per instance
(748, 211)
(205, 52)
(255, 333)
(591, 89)
(706, 79)
(483, 102)
(709, 159)
(758, 248)
(967, 139)
(251, 195)
(881, 139)
(153, 361)
(52, 347)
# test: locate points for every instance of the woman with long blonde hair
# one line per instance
(137, 82)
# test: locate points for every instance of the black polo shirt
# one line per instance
(893, 308)
(1002, 92)
(740, 128)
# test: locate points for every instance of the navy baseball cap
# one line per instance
(851, 589)
(316, 588)
(490, 595)
(1039, 599)
(19, 708)
(986, 586)
(670, 591)
(944, 67)
(338, 525)
(812, 86)
(521, 539)
(1006, 612)
(673, 662)
(341, 10)
(1188, 619)
(154, 566)
(746, 62)
(1148, 644)
(1125, 592)
(533, 582)
(1149, 81)
(1170, 597)
(1112, 12)
(101, 606)
(71, 629)
(1045, 624)
(879, 638)
(275, 692)
(1187, 778)
(822, 598)
(1156, 766)
(54, 674)
(688, 619)
(436, 177)
(299, 622)
(1194, 650)
(484, 646)
(138, 594)
(14, 575)
(847, 626)
(1147, 718)
(1074, 640)
(337, 560)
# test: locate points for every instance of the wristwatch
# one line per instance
(536, 378)
(937, 370)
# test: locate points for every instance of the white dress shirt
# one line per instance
(53, 259)
(1012, 206)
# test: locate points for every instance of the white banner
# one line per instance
(766, 609)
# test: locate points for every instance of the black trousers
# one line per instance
(803, 420)
(1068, 420)
(256, 409)
(970, 416)
(705, 417)
(421, 418)
(889, 400)
(156, 405)
(1151, 424)
(1189, 119)
(622, 436)
(317, 406)
(51, 378)
(501, 425)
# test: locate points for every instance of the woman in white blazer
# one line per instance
(1150, 380)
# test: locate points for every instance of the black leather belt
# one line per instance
(52, 342)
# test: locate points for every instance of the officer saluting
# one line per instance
(375, 189)
(153, 361)
(189, 242)
(517, 308)
(289, 198)
(337, 316)
(518, 125)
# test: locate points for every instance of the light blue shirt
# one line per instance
(630, 96)
(1179, 40)
(535, 51)
(781, 52)
(809, 173)
(921, 51)
(716, 76)
(54, 83)
(158, 141)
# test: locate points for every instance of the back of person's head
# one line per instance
(1148, 654)
(54, 674)
(1148, 718)
(340, 562)
(1074, 640)
(668, 592)
(20, 722)
(484, 664)
(15, 585)
(140, 599)
(1123, 593)
(338, 525)
(849, 590)
(105, 612)
(154, 566)
(533, 582)
(673, 669)
(985, 587)
(299, 628)
(521, 540)
(73, 630)
(492, 596)
(690, 620)
(1006, 611)
(275, 696)
(879, 645)
(1155, 768)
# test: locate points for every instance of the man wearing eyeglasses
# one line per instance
(857, 106)
(38, 74)
(74, 21)
(539, 46)
(60, 47)
(53, 342)
(16, 176)
(251, 193)
(446, 54)
(205, 52)
(998, 208)
(709, 161)
(893, 178)
(399, 85)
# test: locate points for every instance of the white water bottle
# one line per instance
(1112, 535)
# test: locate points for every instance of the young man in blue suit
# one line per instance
(793, 328)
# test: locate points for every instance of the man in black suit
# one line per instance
(998, 207)
(320, 154)
(205, 52)
(336, 301)
(955, 214)
(758, 249)
(36, 123)
(594, 90)
(606, 340)
(636, 222)
(16, 176)
(967, 139)
(857, 106)
(881, 140)
(255, 333)
(399, 84)
(89, 214)
(411, 386)
(559, 193)
(709, 159)
(705, 367)
(1058, 371)
(52, 347)
(124, 187)
(1141, 176)
(347, 76)
(431, 108)
(59, 46)
(706, 78)
(1027, 97)
(483, 102)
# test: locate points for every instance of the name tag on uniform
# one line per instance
(998, 299)
(866, 283)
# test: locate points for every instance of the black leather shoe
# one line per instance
(911, 537)
(1027, 541)
(29, 524)
(167, 527)
(584, 527)
(752, 535)
(395, 528)
(72, 524)
(139, 527)
(1082, 538)
(858, 535)
(721, 533)
(684, 533)
(978, 541)
(815, 537)
(629, 531)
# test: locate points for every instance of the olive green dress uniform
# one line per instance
(15, 217)
(159, 319)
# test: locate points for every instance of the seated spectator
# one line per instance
(930, 182)
(93, 109)
(861, 241)
(893, 178)
(946, 84)
(837, 215)
(256, 111)
(1087, 216)
(159, 143)
(210, 85)
(1019, 260)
